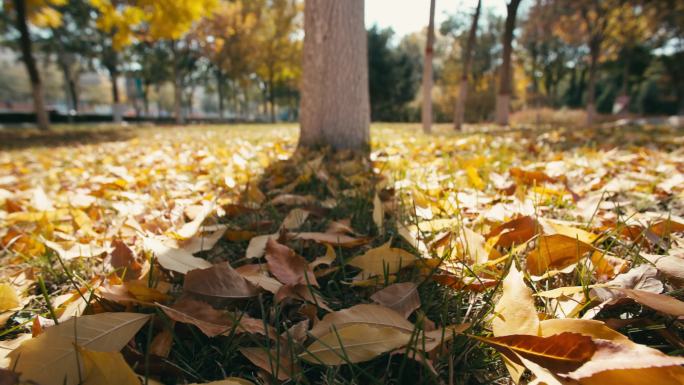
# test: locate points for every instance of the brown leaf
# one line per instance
(515, 232)
(555, 251)
(400, 297)
(258, 275)
(288, 267)
(530, 177)
(275, 362)
(331, 238)
(221, 281)
(456, 282)
(301, 293)
(363, 313)
(560, 353)
(123, 259)
(210, 321)
(615, 363)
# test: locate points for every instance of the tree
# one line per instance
(505, 78)
(393, 76)
(467, 56)
(21, 22)
(335, 109)
(155, 20)
(426, 113)
(228, 38)
(278, 46)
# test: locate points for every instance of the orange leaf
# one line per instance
(560, 353)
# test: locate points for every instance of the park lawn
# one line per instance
(104, 224)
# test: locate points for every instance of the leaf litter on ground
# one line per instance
(559, 250)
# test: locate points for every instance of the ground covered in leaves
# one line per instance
(198, 254)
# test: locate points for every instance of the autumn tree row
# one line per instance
(180, 42)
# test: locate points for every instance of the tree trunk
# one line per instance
(146, 98)
(219, 91)
(271, 96)
(504, 95)
(426, 112)
(117, 108)
(595, 50)
(177, 86)
(335, 109)
(42, 117)
(459, 110)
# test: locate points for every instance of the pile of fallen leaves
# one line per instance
(220, 254)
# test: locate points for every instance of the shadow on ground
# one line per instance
(14, 139)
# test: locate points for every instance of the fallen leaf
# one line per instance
(191, 228)
(78, 250)
(614, 363)
(555, 252)
(220, 281)
(331, 238)
(515, 313)
(210, 321)
(591, 328)
(106, 368)
(400, 297)
(515, 232)
(288, 267)
(363, 313)
(560, 353)
(355, 343)
(9, 299)
(177, 260)
(382, 260)
(327, 259)
(51, 358)
(277, 363)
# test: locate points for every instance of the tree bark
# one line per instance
(177, 86)
(220, 92)
(595, 50)
(335, 109)
(459, 109)
(42, 117)
(426, 112)
(271, 96)
(504, 95)
(117, 108)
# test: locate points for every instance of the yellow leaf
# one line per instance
(106, 368)
(382, 260)
(51, 357)
(555, 251)
(355, 343)
(8, 298)
(515, 313)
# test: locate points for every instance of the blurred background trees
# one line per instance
(241, 60)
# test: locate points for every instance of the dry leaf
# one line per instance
(363, 313)
(210, 321)
(560, 353)
(219, 280)
(9, 299)
(515, 232)
(400, 297)
(355, 343)
(555, 252)
(177, 260)
(288, 267)
(515, 313)
(614, 363)
(591, 328)
(278, 364)
(106, 368)
(382, 260)
(51, 358)
(331, 239)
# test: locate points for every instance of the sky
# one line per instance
(407, 16)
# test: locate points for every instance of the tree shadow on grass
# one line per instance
(16, 139)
